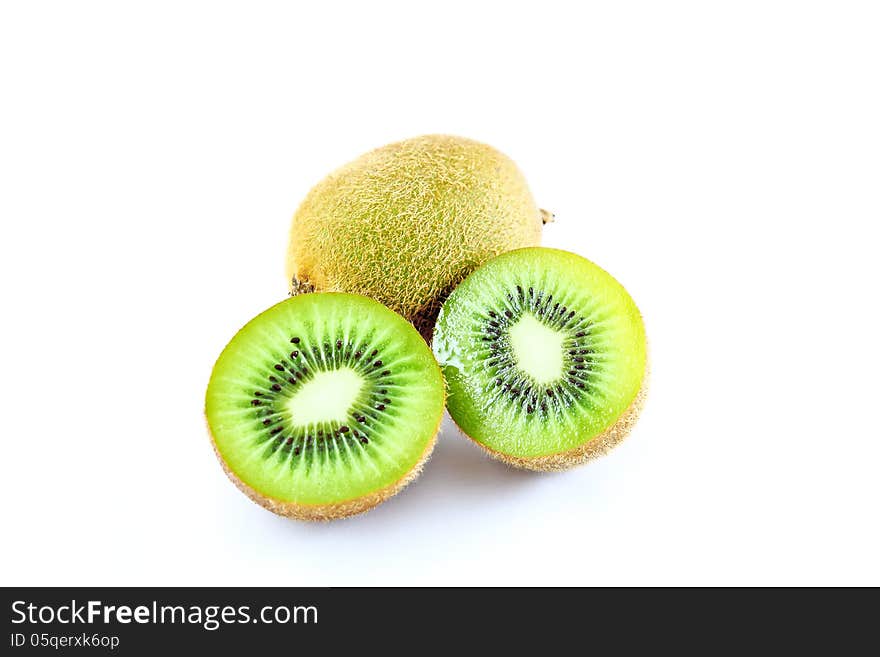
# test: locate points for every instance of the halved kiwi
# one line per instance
(324, 405)
(544, 356)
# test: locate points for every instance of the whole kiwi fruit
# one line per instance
(405, 223)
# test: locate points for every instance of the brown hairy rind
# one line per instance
(405, 223)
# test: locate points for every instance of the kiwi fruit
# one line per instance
(545, 358)
(324, 405)
(405, 223)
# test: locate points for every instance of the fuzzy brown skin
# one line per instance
(327, 512)
(598, 446)
(405, 223)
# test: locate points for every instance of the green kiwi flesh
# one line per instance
(324, 405)
(544, 354)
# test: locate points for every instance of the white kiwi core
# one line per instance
(537, 349)
(326, 397)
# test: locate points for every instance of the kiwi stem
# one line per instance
(547, 217)
(300, 287)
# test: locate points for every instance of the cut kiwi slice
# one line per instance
(544, 356)
(324, 405)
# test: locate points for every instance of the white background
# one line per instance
(722, 160)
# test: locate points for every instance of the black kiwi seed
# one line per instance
(579, 334)
(364, 440)
(275, 430)
(492, 314)
(294, 354)
(291, 380)
(508, 314)
(267, 422)
(296, 451)
(258, 393)
(378, 363)
(386, 372)
(343, 429)
(295, 340)
(256, 402)
(339, 344)
(276, 387)
(361, 419)
(357, 355)
(380, 407)
(280, 368)
(375, 351)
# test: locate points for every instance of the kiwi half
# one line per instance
(544, 356)
(405, 223)
(324, 405)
